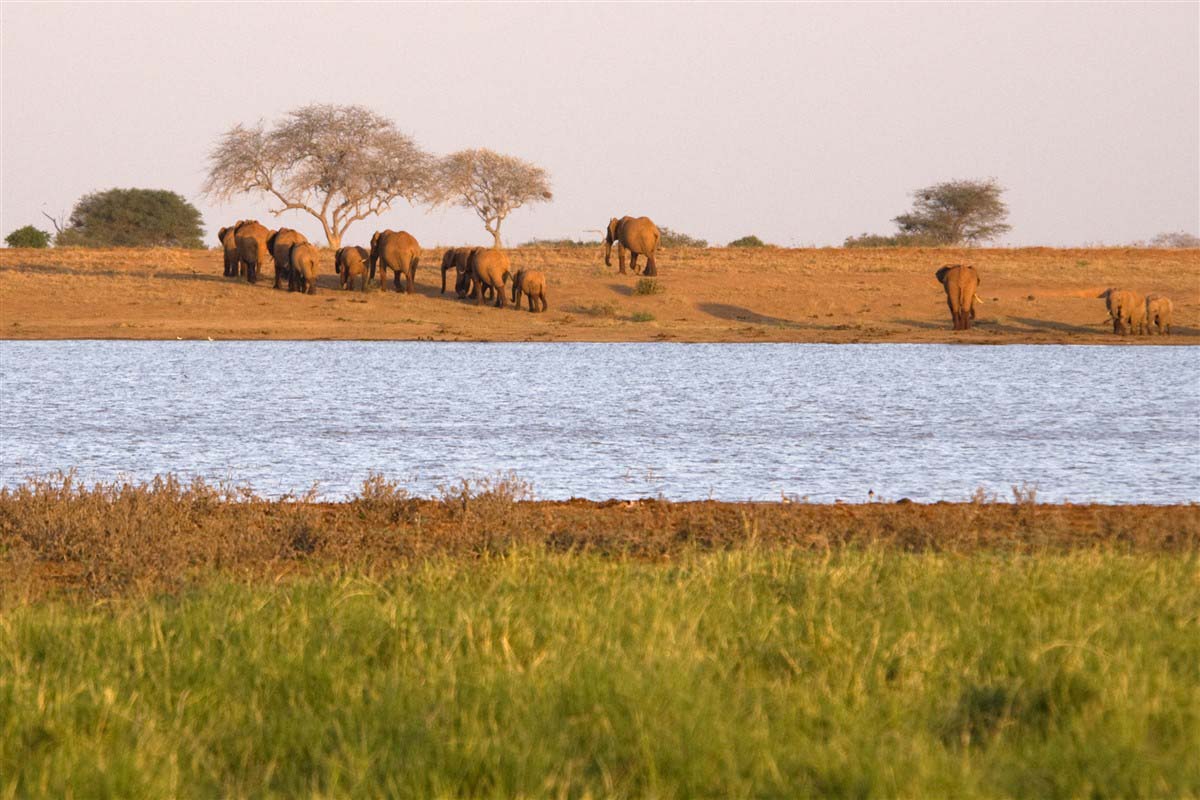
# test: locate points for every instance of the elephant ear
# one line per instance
(941, 274)
(221, 235)
(271, 242)
(612, 229)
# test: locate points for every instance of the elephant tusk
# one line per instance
(979, 299)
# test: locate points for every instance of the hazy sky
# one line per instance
(799, 123)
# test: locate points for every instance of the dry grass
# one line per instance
(1036, 295)
(112, 538)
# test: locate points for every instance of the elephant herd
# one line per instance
(479, 272)
(1130, 312)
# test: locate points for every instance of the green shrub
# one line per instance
(670, 238)
(133, 218)
(641, 316)
(748, 241)
(28, 236)
(647, 286)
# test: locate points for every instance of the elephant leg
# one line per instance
(478, 292)
(651, 266)
(499, 296)
(633, 262)
(530, 298)
(621, 258)
(411, 274)
(545, 305)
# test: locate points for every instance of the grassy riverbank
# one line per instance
(751, 672)
(192, 641)
(1033, 295)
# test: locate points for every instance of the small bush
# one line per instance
(648, 286)
(642, 316)
(597, 310)
(670, 238)
(1177, 239)
(748, 241)
(28, 236)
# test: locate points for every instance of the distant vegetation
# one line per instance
(561, 243)
(748, 241)
(670, 238)
(132, 218)
(1176, 239)
(28, 236)
(950, 214)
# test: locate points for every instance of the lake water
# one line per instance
(685, 421)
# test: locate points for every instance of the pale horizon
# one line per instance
(801, 124)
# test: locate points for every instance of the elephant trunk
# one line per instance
(608, 252)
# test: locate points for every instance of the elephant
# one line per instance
(455, 258)
(280, 245)
(489, 268)
(351, 263)
(1159, 311)
(533, 283)
(961, 282)
(228, 239)
(302, 267)
(1127, 310)
(639, 236)
(397, 251)
(251, 238)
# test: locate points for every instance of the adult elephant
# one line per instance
(489, 268)
(1159, 311)
(351, 263)
(639, 236)
(960, 281)
(1127, 310)
(397, 251)
(228, 239)
(251, 238)
(304, 258)
(456, 258)
(532, 283)
(280, 244)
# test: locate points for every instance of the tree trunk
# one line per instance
(496, 238)
(334, 239)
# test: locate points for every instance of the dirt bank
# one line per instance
(714, 295)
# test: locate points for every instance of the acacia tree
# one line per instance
(340, 164)
(491, 184)
(955, 213)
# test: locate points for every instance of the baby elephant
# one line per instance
(1158, 313)
(533, 284)
(351, 263)
(1127, 309)
(303, 273)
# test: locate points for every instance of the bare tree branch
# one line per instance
(345, 160)
(491, 184)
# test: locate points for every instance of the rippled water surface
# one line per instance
(729, 421)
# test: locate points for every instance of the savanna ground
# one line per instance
(702, 295)
(196, 641)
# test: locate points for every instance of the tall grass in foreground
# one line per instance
(766, 672)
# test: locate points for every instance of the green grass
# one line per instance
(742, 673)
(641, 316)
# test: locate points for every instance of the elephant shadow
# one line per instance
(621, 289)
(1060, 327)
(740, 314)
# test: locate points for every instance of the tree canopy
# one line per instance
(491, 184)
(956, 213)
(340, 164)
(133, 218)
